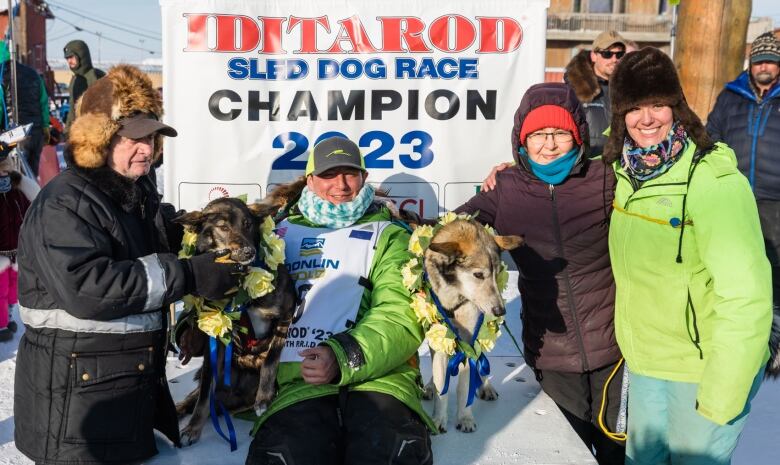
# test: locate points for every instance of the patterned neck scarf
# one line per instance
(644, 164)
(324, 213)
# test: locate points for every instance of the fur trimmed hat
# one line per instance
(123, 97)
(648, 76)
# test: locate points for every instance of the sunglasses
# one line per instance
(607, 54)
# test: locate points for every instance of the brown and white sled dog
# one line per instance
(462, 263)
(228, 223)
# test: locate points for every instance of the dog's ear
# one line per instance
(509, 242)
(192, 219)
(450, 249)
(261, 210)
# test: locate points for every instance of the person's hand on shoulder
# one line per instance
(490, 181)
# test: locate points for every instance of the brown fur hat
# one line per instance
(124, 91)
(648, 76)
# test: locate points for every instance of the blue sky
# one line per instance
(143, 17)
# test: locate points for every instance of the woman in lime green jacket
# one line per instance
(694, 299)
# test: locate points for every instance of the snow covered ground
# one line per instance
(522, 427)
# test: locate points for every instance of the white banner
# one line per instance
(428, 89)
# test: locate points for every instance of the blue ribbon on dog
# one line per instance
(214, 403)
(477, 368)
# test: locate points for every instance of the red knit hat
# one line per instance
(549, 116)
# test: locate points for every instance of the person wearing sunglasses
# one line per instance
(588, 73)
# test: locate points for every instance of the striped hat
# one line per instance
(766, 47)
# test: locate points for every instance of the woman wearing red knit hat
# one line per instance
(560, 201)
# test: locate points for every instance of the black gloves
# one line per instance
(210, 279)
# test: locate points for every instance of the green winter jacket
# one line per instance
(705, 319)
(386, 331)
(83, 76)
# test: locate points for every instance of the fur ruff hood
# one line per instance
(648, 76)
(581, 77)
(123, 92)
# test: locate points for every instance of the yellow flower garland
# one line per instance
(440, 337)
(212, 318)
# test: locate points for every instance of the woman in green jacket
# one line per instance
(694, 298)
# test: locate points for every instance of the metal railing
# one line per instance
(624, 22)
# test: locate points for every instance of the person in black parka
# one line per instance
(96, 276)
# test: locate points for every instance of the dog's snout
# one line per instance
(243, 255)
(498, 310)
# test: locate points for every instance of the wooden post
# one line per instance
(710, 48)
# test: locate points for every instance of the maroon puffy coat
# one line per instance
(566, 282)
(13, 206)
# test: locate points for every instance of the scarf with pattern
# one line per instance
(648, 163)
(324, 213)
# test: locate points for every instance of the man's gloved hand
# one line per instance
(209, 278)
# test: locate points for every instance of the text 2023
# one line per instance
(415, 150)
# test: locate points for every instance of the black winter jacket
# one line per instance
(95, 278)
(751, 127)
(29, 89)
(566, 282)
(593, 93)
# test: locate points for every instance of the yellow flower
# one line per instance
(441, 339)
(490, 229)
(191, 301)
(188, 244)
(421, 238)
(189, 239)
(412, 275)
(488, 334)
(215, 324)
(258, 282)
(268, 226)
(274, 252)
(503, 277)
(449, 217)
(424, 310)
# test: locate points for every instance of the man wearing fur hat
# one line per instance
(746, 116)
(588, 73)
(96, 275)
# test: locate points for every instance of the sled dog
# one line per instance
(462, 263)
(229, 224)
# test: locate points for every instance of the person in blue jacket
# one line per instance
(746, 117)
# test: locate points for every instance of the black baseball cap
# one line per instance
(141, 125)
(334, 152)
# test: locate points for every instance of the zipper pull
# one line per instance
(552, 191)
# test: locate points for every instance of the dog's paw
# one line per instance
(487, 392)
(260, 409)
(466, 424)
(440, 423)
(190, 435)
(429, 393)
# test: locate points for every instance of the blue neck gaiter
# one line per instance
(555, 172)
